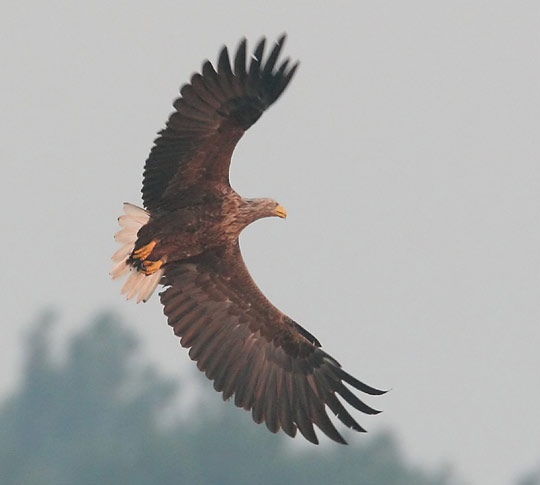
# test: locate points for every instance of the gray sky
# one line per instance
(405, 150)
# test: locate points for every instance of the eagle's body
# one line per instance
(187, 240)
(187, 232)
(190, 231)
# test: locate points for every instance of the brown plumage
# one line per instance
(187, 240)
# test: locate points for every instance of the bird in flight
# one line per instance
(186, 239)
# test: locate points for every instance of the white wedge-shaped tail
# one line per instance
(138, 284)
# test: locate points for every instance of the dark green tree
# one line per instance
(95, 417)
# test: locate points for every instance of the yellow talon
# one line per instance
(144, 252)
(149, 267)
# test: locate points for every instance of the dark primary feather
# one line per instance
(211, 115)
(251, 350)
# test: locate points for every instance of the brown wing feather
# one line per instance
(251, 350)
(211, 115)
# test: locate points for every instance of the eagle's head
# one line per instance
(254, 209)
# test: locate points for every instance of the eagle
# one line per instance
(186, 239)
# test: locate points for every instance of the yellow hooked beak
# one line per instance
(281, 211)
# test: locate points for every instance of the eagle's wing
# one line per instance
(212, 114)
(251, 350)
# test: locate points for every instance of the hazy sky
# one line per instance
(405, 150)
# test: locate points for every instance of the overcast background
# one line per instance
(405, 150)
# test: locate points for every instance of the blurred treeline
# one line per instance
(97, 417)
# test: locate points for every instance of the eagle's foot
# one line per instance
(144, 252)
(149, 267)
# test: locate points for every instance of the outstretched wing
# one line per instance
(251, 350)
(212, 114)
